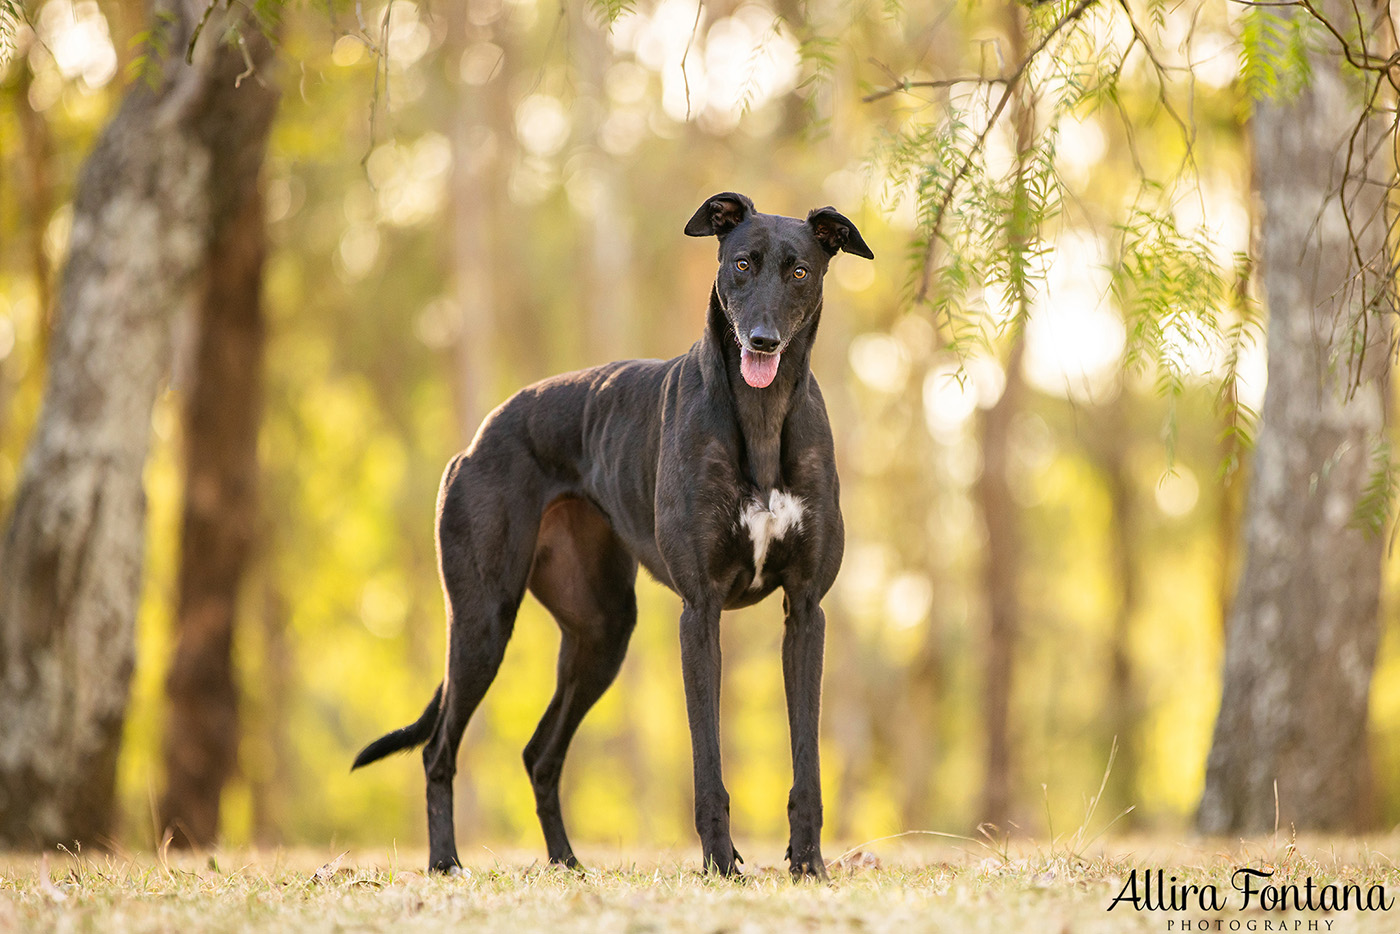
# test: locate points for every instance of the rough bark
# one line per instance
(1301, 636)
(70, 564)
(220, 520)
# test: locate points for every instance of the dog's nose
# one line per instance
(764, 339)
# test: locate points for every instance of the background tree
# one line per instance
(153, 198)
(221, 515)
(1007, 230)
(1004, 552)
(472, 126)
(1290, 741)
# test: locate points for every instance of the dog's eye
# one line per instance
(742, 265)
(799, 273)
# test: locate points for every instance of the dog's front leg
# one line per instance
(700, 666)
(803, 637)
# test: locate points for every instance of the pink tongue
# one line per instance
(758, 368)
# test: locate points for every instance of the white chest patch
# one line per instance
(769, 523)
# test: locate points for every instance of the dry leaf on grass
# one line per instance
(327, 872)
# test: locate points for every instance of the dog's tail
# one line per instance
(415, 734)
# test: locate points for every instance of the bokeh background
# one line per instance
(577, 150)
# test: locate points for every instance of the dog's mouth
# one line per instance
(759, 369)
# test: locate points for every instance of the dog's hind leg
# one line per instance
(488, 518)
(586, 579)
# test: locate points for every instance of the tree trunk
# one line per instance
(273, 784)
(125, 21)
(149, 198)
(36, 152)
(219, 524)
(921, 725)
(1002, 567)
(607, 273)
(1301, 637)
(1107, 445)
(1000, 577)
(472, 251)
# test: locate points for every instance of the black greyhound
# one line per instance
(715, 471)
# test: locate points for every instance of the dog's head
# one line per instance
(770, 273)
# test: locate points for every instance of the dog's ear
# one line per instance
(834, 232)
(719, 214)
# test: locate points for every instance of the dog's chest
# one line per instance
(778, 519)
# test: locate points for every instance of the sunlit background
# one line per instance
(580, 152)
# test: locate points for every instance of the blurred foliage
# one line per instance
(587, 153)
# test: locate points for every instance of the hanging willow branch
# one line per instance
(1010, 83)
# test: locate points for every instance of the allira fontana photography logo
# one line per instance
(1198, 906)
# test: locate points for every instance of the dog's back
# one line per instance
(592, 434)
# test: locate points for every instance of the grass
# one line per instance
(902, 885)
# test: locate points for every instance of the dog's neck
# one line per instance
(759, 413)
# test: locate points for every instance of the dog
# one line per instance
(715, 471)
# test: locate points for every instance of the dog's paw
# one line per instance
(568, 861)
(729, 868)
(809, 867)
(447, 867)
